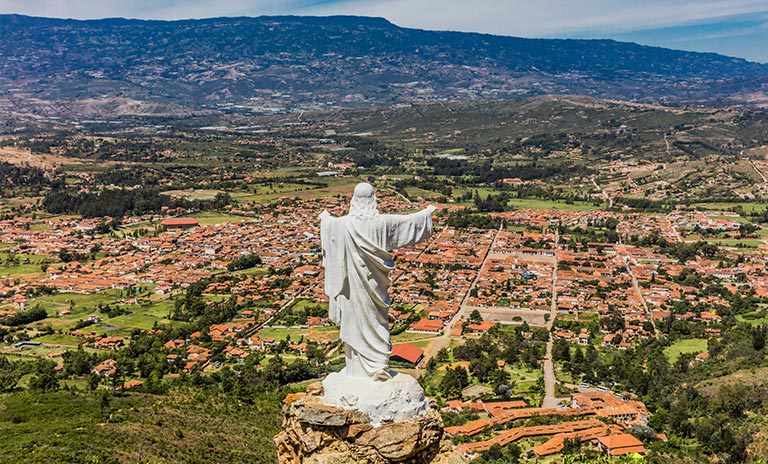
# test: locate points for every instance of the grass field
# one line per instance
(336, 186)
(142, 316)
(280, 333)
(216, 218)
(735, 242)
(747, 207)
(691, 345)
(407, 337)
(526, 203)
(754, 318)
(415, 192)
(60, 339)
(27, 264)
(199, 194)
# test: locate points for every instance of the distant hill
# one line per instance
(269, 64)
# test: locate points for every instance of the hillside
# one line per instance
(182, 426)
(110, 67)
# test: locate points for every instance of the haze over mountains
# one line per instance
(57, 67)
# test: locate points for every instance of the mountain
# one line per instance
(110, 67)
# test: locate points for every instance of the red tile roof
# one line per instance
(180, 222)
(407, 352)
(622, 443)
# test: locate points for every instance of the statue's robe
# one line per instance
(357, 259)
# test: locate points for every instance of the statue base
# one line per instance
(317, 433)
(399, 399)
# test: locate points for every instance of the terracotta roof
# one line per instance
(618, 442)
(482, 326)
(427, 325)
(407, 352)
(180, 222)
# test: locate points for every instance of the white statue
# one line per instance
(357, 260)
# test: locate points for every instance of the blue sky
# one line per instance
(732, 27)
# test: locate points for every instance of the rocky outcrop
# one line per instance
(316, 433)
(399, 399)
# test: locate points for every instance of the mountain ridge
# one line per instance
(51, 66)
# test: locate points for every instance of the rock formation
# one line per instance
(317, 433)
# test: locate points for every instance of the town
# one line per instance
(545, 276)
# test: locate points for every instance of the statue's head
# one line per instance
(363, 205)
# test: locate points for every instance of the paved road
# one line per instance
(757, 170)
(550, 399)
(678, 237)
(639, 292)
(607, 197)
(444, 339)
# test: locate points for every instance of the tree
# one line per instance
(77, 362)
(93, 381)
(454, 381)
(442, 355)
(475, 317)
(571, 446)
(9, 375)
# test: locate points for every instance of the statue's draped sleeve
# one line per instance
(406, 230)
(332, 232)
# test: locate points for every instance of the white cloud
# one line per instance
(546, 17)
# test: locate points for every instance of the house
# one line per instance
(407, 353)
(299, 348)
(132, 384)
(110, 343)
(483, 327)
(583, 337)
(427, 325)
(317, 321)
(180, 223)
(106, 368)
(174, 344)
(620, 444)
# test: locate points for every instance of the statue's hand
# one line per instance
(431, 209)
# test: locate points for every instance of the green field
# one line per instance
(27, 264)
(691, 345)
(198, 194)
(152, 309)
(266, 193)
(217, 218)
(60, 339)
(747, 207)
(279, 333)
(415, 192)
(735, 242)
(407, 337)
(754, 318)
(526, 203)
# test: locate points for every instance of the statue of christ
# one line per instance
(357, 259)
